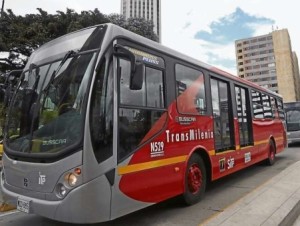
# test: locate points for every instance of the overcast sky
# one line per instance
(205, 30)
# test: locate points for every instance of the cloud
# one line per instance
(217, 41)
(215, 59)
(234, 26)
(187, 25)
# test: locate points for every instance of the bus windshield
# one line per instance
(46, 115)
(293, 119)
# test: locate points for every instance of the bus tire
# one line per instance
(194, 180)
(271, 155)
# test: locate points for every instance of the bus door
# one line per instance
(222, 114)
(244, 117)
(141, 115)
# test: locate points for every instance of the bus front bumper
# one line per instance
(89, 203)
(293, 137)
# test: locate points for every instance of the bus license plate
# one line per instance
(23, 205)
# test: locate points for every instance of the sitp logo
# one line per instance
(42, 179)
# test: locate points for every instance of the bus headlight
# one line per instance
(61, 190)
(71, 179)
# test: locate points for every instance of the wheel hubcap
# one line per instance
(272, 154)
(194, 178)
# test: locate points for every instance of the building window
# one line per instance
(262, 45)
(271, 65)
(262, 39)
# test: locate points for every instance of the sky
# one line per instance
(205, 30)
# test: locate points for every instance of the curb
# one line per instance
(276, 202)
(292, 216)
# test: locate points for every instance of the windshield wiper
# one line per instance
(66, 57)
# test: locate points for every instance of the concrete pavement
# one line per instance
(276, 202)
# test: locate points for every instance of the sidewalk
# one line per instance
(277, 202)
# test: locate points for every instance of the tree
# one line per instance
(142, 27)
(2, 8)
(21, 35)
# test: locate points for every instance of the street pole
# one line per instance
(2, 8)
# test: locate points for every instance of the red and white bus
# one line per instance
(105, 122)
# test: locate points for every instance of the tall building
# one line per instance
(268, 60)
(148, 9)
(297, 75)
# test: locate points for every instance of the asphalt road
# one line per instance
(219, 195)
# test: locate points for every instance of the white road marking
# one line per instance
(9, 213)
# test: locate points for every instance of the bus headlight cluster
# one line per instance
(68, 182)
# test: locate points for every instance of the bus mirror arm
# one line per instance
(121, 51)
(137, 68)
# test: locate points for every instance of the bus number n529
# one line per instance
(157, 149)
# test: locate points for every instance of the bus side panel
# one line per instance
(154, 185)
(156, 171)
(265, 130)
(262, 130)
(227, 162)
(280, 136)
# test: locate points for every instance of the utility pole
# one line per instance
(2, 8)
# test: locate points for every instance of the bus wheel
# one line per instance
(271, 157)
(195, 180)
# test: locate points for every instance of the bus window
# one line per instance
(191, 101)
(244, 116)
(267, 106)
(154, 86)
(257, 105)
(139, 110)
(273, 106)
(293, 119)
(101, 114)
(128, 96)
(280, 109)
(223, 121)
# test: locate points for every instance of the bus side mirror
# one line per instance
(137, 77)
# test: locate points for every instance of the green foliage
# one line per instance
(21, 35)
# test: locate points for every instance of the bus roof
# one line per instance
(117, 31)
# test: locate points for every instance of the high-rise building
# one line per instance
(148, 9)
(268, 60)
